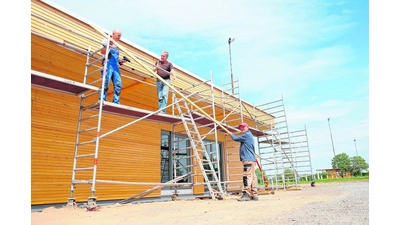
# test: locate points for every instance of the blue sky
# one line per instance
(314, 54)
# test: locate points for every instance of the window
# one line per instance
(176, 159)
(215, 158)
(165, 156)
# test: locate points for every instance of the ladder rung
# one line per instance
(94, 72)
(184, 167)
(94, 62)
(180, 140)
(81, 181)
(184, 157)
(87, 142)
(181, 132)
(90, 94)
(182, 149)
(96, 81)
(81, 169)
(87, 130)
(89, 117)
(83, 156)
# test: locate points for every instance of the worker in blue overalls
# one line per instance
(112, 70)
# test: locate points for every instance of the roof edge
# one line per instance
(81, 18)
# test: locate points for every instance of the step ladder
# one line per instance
(199, 150)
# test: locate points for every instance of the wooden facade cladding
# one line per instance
(131, 154)
(127, 155)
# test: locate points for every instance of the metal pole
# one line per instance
(355, 146)
(230, 40)
(333, 147)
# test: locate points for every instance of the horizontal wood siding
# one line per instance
(233, 164)
(131, 154)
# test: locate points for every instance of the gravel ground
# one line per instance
(346, 203)
(331, 203)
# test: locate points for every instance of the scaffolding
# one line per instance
(301, 154)
(284, 154)
(193, 109)
(232, 113)
(90, 120)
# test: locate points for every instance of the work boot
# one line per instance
(254, 198)
(245, 197)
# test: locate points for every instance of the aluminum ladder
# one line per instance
(88, 131)
(199, 149)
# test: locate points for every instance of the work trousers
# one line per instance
(162, 94)
(114, 76)
(250, 179)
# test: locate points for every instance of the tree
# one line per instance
(354, 164)
(358, 164)
(342, 161)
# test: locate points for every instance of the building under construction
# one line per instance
(84, 149)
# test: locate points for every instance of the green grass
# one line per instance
(363, 178)
(330, 180)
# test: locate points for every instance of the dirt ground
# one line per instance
(331, 203)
